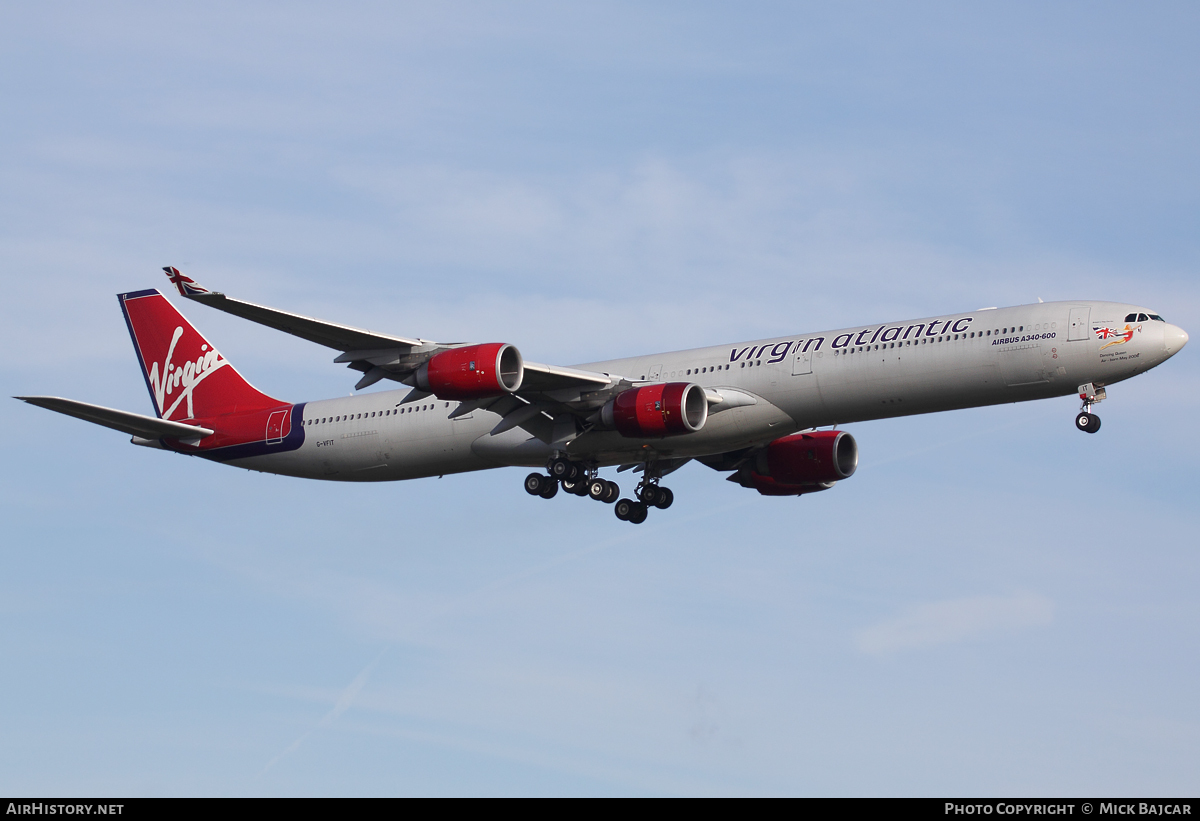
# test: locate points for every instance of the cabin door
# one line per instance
(802, 363)
(1079, 324)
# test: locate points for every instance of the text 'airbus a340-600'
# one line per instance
(753, 409)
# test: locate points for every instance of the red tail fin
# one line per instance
(185, 374)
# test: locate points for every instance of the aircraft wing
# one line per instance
(541, 378)
(135, 424)
(329, 334)
(382, 356)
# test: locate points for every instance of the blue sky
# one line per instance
(993, 604)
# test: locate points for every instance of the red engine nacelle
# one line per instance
(657, 410)
(473, 372)
(818, 456)
(803, 463)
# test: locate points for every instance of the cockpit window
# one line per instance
(1143, 318)
(1131, 318)
(1157, 318)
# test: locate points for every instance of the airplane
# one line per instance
(755, 410)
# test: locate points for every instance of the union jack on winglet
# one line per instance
(186, 285)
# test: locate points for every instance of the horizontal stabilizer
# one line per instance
(147, 427)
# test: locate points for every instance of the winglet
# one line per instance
(186, 285)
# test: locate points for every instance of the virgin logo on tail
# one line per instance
(159, 333)
(164, 381)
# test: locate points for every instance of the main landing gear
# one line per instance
(576, 479)
(649, 495)
(538, 485)
(580, 480)
(1087, 421)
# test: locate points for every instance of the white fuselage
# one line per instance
(784, 384)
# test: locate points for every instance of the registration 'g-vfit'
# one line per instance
(753, 409)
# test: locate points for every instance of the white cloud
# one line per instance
(955, 620)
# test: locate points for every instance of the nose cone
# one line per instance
(1174, 338)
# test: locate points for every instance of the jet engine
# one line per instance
(801, 463)
(473, 372)
(657, 410)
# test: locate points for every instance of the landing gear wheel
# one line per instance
(648, 494)
(579, 487)
(628, 510)
(614, 491)
(561, 468)
(549, 489)
(597, 489)
(1087, 422)
(623, 508)
(534, 483)
(665, 498)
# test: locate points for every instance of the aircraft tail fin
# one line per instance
(186, 376)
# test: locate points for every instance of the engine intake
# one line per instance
(473, 372)
(668, 409)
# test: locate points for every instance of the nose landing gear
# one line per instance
(1090, 394)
